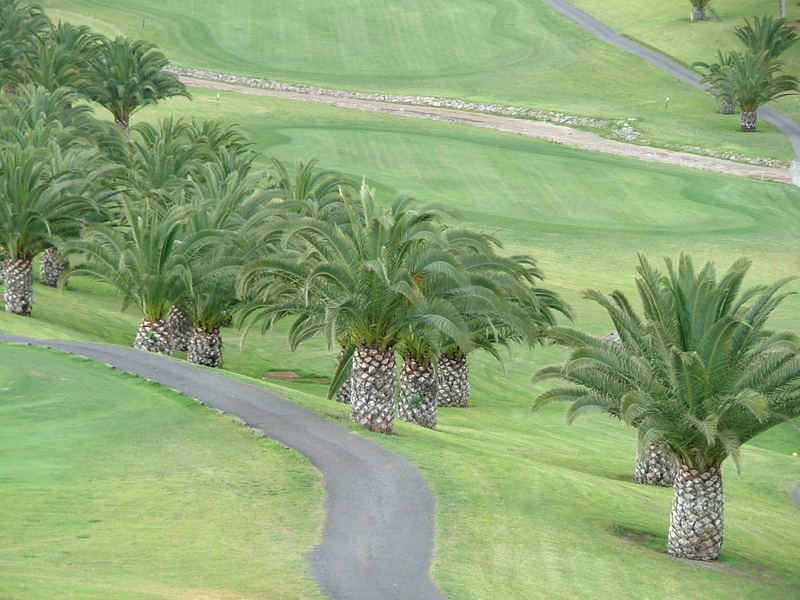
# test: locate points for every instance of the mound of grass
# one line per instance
(113, 487)
(510, 51)
(526, 506)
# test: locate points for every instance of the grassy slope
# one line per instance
(527, 507)
(114, 487)
(666, 26)
(511, 51)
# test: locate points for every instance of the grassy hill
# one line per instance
(114, 487)
(509, 51)
(526, 506)
(666, 27)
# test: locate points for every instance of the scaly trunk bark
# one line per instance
(696, 520)
(749, 121)
(153, 336)
(372, 396)
(452, 382)
(205, 347)
(18, 282)
(655, 465)
(51, 267)
(345, 392)
(726, 107)
(418, 393)
(698, 13)
(125, 126)
(180, 328)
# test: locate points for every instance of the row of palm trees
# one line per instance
(749, 78)
(120, 74)
(188, 231)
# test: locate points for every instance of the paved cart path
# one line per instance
(379, 524)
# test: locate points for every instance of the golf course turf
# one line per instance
(518, 52)
(526, 506)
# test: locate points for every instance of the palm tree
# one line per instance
(127, 75)
(698, 372)
(41, 198)
(144, 257)
(515, 309)
(699, 10)
(717, 84)
(752, 81)
(767, 36)
(366, 284)
(21, 26)
(655, 464)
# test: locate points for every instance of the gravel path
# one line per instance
(380, 511)
(789, 126)
(546, 131)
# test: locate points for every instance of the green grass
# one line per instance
(666, 27)
(509, 51)
(113, 487)
(526, 506)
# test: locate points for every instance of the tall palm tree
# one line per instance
(144, 257)
(366, 284)
(752, 81)
(127, 75)
(41, 197)
(767, 36)
(698, 372)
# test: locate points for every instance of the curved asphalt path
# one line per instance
(380, 511)
(789, 126)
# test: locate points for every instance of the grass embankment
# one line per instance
(666, 27)
(509, 51)
(114, 487)
(526, 506)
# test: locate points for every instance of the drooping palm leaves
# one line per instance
(767, 36)
(144, 257)
(697, 371)
(128, 75)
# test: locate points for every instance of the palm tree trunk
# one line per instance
(655, 465)
(749, 121)
(125, 126)
(452, 382)
(373, 377)
(726, 107)
(698, 13)
(418, 393)
(18, 281)
(153, 336)
(51, 267)
(696, 521)
(180, 329)
(205, 347)
(344, 393)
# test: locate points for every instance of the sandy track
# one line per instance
(545, 131)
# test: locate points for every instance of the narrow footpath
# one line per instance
(379, 524)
